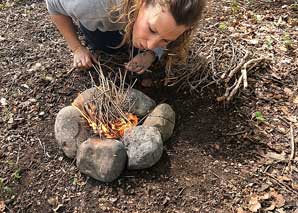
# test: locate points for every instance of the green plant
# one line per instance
(16, 175)
(74, 181)
(1, 182)
(222, 26)
(269, 42)
(235, 6)
(259, 117)
(8, 190)
(2, 6)
(294, 6)
(287, 40)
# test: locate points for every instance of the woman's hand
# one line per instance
(83, 58)
(140, 63)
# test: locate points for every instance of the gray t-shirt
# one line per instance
(92, 14)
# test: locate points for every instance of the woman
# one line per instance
(149, 25)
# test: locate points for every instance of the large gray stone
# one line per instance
(71, 129)
(144, 146)
(85, 97)
(136, 101)
(162, 117)
(139, 103)
(102, 159)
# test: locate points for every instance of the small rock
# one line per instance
(71, 130)
(144, 146)
(162, 117)
(139, 103)
(25, 86)
(102, 159)
(11, 120)
(3, 102)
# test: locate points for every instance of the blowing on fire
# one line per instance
(107, 110)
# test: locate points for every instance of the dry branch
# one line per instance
(220, 61)
(108, 105)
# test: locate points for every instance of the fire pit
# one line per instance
(105, 138)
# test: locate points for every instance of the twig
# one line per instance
(236, 133)
(236, 69)
(18, 157)
(244, 74)
(235, 89)
(181, 191)
(281, 183)
(42, 146)
(292, 156)
(70, 71)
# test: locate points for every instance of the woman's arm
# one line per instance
(82, 57)
(67, 29)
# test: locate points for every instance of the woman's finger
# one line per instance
(141, 71)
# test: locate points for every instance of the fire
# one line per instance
(115, 129)
(112, 124)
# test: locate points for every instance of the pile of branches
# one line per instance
(219, 61)
(108, 105)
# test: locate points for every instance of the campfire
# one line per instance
(119, 140)
(109, 129)
(107, 111)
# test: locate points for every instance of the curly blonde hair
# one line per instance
(185, 12)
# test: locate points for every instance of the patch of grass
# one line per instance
(16, 175)
(235, 7)
(287, 41)
(1, 182)
(3, 6)
(269, 42)
(74, 181)
(222, 26)
(257, 18)
(8, 190)
(294, 6)
(259, 116)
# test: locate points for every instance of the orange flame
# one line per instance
(116, 129)
(113, 129)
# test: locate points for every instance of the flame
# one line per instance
(112, 129)
(116, 129)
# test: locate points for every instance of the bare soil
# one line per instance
(221, 158)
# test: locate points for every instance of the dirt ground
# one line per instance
(223, 157)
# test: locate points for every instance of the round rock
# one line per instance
(163, 118)
(85, 97)
(71, 129)
(144, 146)
(139, 103)
(102, 159)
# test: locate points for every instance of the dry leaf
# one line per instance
(295, 186)
(254, 204)
(278, 198)
(271, 207)
(295, 100)
(283, 178)
(276, 156)
(288, 91)
(292, 118)
(240, 210)
(2, 206)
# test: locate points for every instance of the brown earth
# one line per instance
(221, 158)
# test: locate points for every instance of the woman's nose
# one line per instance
(153, 43)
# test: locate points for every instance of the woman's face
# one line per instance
(155, 27)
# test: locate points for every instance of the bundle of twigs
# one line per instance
(215, 61)
(108, 107)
